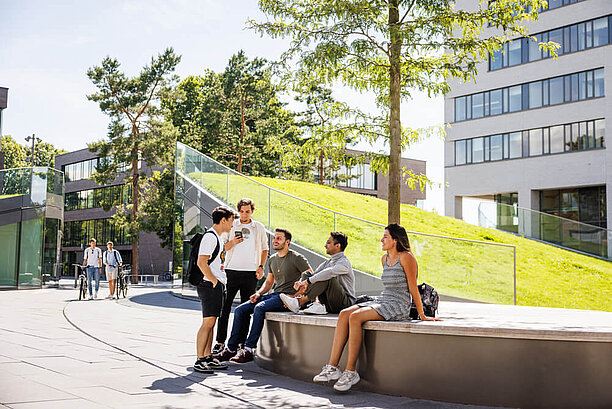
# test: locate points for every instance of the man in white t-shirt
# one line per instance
(212, 289)
(92, 259)
(246, 255)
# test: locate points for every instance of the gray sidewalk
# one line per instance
(59, 353)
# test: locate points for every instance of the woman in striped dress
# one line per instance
(400, 286)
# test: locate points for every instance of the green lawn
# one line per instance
(546, 275)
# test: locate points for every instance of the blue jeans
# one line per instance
(93, 273)
(242, 316)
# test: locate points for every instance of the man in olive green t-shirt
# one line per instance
(285, 268)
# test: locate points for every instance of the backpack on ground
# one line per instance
(429, 299)
(195, 276)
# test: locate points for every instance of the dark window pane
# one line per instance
(567, 88)
(496, 102)
(460, 152)
(496, 147)
(599, 82)
(575, 137)
(582, 86)
(568, 138)
(525, 143)
(515, 98)
(566, 40)
(556, 90)
(590, 139)
(574, 38)
(589, 84)
(477, 105)
(600, 31)
(535, 94)
(589, 34)
(478, 150)
(460, 109)
(582, 136)
(600, 130)
(468, 104)
(575, 87)
(516, 144)
(556, 139)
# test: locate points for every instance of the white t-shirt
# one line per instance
(242, 257)
(207, 247)
(93, 256)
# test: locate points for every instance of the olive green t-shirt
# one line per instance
(287, 270)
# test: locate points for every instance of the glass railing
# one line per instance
(460, 268)
(546, 227)
(38, 186)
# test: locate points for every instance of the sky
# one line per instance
(46, 48)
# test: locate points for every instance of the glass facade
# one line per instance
(77, 233)
(576, 37)
(551, 91)
(577, 136)
(32, 200)
(585, 205)
(95, 198)
(363, 177)
(84, 169)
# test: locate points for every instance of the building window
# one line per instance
(96, 198)
(577, 136)
(551, 91)
(576, 37)
(77, 233)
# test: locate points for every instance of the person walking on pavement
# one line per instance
(211, 290)
(246, 255)
(112, 260)
(93, 262)
(285, 268)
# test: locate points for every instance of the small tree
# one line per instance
(136, 133)
(392, 47)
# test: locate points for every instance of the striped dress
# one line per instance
(393, 304)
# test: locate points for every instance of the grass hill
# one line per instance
(545, 275)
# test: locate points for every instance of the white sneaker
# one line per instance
(110, 297)
(328, 373)
(96, 295)
(316, 308)
(90, 297)
(346, 381)
(292, 303)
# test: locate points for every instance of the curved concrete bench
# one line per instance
(480, 354)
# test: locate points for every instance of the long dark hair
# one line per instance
(398, 233)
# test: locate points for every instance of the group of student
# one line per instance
(330, 288)
(93, 258)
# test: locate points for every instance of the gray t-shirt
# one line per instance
(287, 270)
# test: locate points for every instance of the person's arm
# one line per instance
(264, 288)
(205, 269)
(262, 263)
(118, 258)
(85, 258)
(100, 258)
(409, 265)
(337, 269)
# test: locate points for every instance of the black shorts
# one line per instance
(212, 299)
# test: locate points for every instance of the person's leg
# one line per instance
(97, 278)
(356, 320)
(90, 275)
(240, 326)
(203, 338)
(111, 286)
(233, 285)
(248, 285)
(341, 335)
(272, 303)
(334, 297)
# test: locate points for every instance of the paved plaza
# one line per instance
(56, 352)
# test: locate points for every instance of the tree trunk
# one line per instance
(321, 175)
(395, 127)
(134, 215)
(242, 131)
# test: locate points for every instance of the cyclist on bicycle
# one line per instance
(112, 261)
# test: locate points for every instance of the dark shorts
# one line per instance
(212, 299)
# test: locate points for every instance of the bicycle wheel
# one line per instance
(125, 286)
(82, 289)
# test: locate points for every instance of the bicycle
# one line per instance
(123, 280)
(82, 284)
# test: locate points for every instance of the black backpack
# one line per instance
(430, 300)
(195, 276)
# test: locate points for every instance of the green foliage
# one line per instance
(17, 155)
(137, 134)
(235, 116)
(392, 48)
(160, 207)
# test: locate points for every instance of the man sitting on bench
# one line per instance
(333, 282)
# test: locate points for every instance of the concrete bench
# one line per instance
(480, 354)
(145, 278)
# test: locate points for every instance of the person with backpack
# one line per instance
(112, 260)
(399, 279)
(245, 257)
(210, 279)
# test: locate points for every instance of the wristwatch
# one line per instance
(308, 280)
(261, 266)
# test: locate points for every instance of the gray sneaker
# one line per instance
(346, 381)
(328, 373)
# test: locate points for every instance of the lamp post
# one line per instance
(34, 140)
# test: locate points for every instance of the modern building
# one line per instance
(530, 131)
(3, 105)
(31, 214)
(85, 217)
(376, 184)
